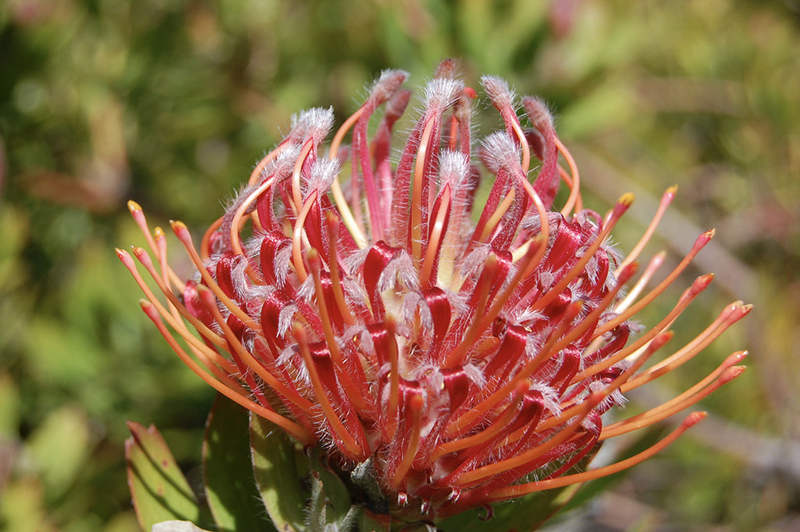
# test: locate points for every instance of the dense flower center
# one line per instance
(451, 354)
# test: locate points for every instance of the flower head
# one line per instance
(452, 354)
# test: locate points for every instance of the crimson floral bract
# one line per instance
(455, 354)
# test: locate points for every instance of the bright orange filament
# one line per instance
(525, 457)
(534, 256)
(730, 315)
(264, 162)
(433, 242)
(312, 256)
(485, 282)
(289, 426)
(407, 438)
(657, 343)
(138, 216)
(646, 300)
(523, 489)
(687, 297)
(145, 260)
(338, 196)
(523, 142)
(207, 356)
(594, 315)
(280, 388)
(541, 239)
(496, 426)
(472, 415)
(330, 335)
(236, 223)
(492, 222)
(297, 192)
(666, 199)
(622, 205)
(297, 237)
(205, 243)
(416, 191)
(161, 241)
(652, 267)
(726, 372)
(182, 232)
(333, 264)
(574, 198)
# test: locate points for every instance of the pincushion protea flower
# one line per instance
(444, 356)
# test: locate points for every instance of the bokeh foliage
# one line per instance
(171, 102)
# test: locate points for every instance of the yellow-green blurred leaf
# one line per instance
(22, 507)
(60, 447)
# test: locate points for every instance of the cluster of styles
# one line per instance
(449, 353)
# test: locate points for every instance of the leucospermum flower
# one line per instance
(454, 355)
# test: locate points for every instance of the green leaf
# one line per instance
(160, 491)
(593, 488)
(523, 514)
(300, 492)
(317, 517)
(333, 488)
(279, 479)
(228, 472)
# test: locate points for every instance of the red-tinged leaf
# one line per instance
(159, 490)
(374, 522)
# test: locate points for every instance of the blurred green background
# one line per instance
(172, 102)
